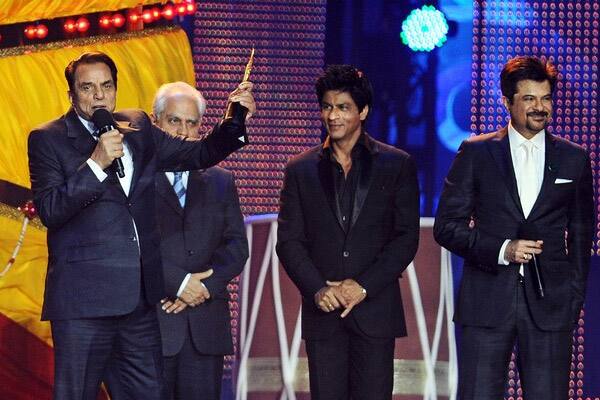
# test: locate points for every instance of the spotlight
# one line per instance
(181, 8)
(168, 12)
(424, 29)
(70, 26)
(155, 13)
(118, 20)
(41, 32)
(134, 17)
(147, 16)
(30, 31)
(82, 24)
(104, 21)
(190, 8)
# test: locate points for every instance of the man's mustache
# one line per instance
(537, 114)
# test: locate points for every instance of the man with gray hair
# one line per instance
(203, 246)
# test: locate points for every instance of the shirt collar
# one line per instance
(361, 145)
(89, 125)
(516, 139)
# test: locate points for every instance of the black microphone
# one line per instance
(105, 122)
(529, 232)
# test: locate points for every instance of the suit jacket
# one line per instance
(381, 242)
(207, 233)
(96, 261)
(481, 187)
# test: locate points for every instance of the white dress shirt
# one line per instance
(515, 140)
(127, 160)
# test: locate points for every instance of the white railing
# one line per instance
(289, 354)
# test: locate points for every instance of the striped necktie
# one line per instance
(178, 187)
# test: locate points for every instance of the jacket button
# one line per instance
(190, 252)
(133, 239)
(346, 254)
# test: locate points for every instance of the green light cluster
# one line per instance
(424, 29)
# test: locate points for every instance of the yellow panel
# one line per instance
(22, 287)
(34, 89)
(13, 11)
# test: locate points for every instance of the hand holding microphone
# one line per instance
(109, 149)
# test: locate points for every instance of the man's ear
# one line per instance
(365, 111)
(153, 118)
(506, 102)
(71, 99)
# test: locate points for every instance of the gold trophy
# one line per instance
(235, 110)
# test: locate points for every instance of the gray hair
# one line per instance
(173, 89)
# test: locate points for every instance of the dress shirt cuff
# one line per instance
(183, 284)
(501, 259)
(97, 170)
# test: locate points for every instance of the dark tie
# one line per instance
(179, 188)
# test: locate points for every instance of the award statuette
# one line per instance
(236, 110)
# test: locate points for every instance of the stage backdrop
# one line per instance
(34, 91)
(566, 32)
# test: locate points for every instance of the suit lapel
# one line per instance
(81, 138)
(500, 150)
(165, 189)
(551, 166)
(364, 182)
(326, 178)
(196, 188)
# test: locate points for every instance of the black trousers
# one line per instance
(351, 365)
(190, 375)
(543, 358)
(130, 344)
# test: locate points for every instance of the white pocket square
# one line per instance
(561, 180)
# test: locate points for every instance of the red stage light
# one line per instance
(133, 17)
(82, 24)
(41, 32)
(118, 20)
(181, 8)
(69, 26)
(147, 16)
(104, 21)
(156, 13)
(168, 12)
(190, 8)
(30, 31)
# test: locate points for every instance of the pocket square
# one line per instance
(561, 180)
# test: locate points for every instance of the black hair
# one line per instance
(91, 57)
(346, 78)
(526, 68)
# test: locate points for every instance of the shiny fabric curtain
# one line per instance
(14, 11)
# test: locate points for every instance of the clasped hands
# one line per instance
(194, 293)
(520, 251)
(340, 294)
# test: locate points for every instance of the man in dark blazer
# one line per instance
(104, 270)
(518, 201)
(348, 227)
(203, 247)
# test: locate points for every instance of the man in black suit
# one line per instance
(203, 247)
(348, 227)
(104, 270)
(518, 201)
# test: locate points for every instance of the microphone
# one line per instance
(105, 122)
(528, 232)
